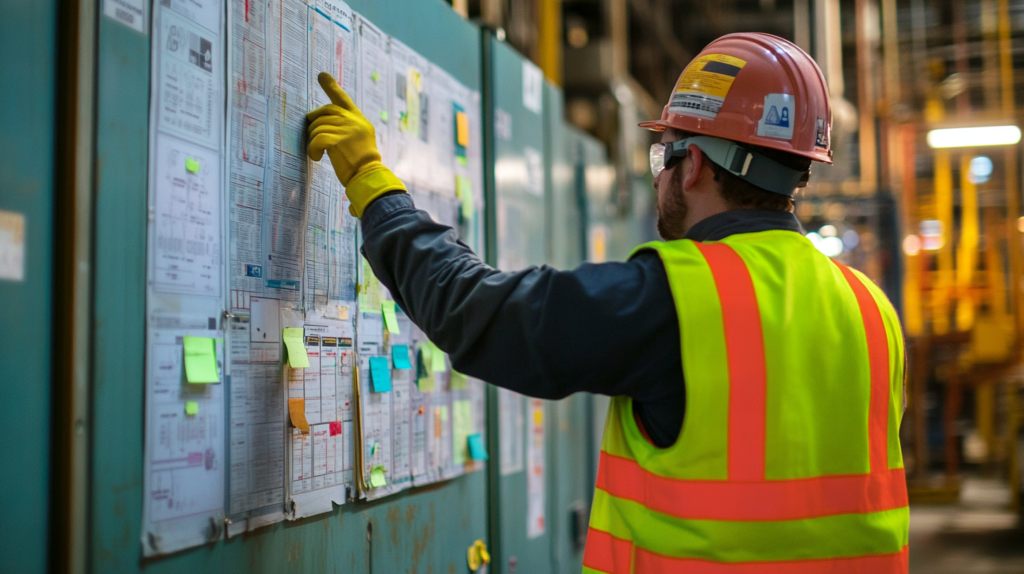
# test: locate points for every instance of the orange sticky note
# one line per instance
(462, 128)
(297, 412)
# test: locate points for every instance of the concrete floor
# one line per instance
(976, 536)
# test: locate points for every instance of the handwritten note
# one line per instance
(200, 360)
(293, 341)
(380, 374)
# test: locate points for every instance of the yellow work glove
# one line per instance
(340, 129)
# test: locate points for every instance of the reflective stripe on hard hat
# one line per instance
(745, 164)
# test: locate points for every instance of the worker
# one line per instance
(757, 385)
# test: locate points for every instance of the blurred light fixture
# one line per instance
(576, 31)
(931, 235)
(1020, 224)
(973, 137)
(828, 246)
(911, 245)
(981, 169)
(850, 239)
(827, 231)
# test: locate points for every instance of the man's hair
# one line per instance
(741, 194)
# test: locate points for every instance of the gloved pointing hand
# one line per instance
(340, 129)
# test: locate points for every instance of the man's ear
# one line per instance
(697, 162)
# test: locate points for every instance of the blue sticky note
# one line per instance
(477, 451)
(380, 374)
(400, 355)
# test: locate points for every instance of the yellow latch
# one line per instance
(477, 555)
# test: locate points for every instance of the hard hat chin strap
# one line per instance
(745, 164)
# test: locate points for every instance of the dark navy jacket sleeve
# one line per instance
(609, 328)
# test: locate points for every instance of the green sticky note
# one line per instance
(383, 115)
(191, 408)
(477, 450)
(464, 191)
(293, 341)
(462, 427)
(424, 377)
(375, 76)
(400, 356)
(390, 319)
(444, 413)
(377, 479)
(191, 165)
(437, 364)
(458, 382)
(200, 360)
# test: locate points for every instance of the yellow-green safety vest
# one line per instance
(789, 457)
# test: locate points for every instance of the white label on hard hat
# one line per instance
(777, 119)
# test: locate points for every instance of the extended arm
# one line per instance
(539, 331)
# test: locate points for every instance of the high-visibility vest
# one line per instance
(789, 457)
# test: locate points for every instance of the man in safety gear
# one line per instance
(757, 384)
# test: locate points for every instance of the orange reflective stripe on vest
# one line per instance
(671, 510)
(744, 344)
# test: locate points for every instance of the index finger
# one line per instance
(334, 92)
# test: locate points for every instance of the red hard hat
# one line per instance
(757, 89)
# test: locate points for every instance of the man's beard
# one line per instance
(672, 208)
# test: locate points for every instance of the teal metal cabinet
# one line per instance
(571, 474)
(520, 240)
(27, 107)
(418, 531)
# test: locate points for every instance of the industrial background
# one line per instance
(936, 224)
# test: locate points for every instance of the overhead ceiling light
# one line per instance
(973, 137)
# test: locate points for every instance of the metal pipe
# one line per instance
(867, 28)
(967, 250)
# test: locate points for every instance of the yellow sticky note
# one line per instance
(293, 341)
(191, 165)
(191, 408)
(343, 312)
(437, 364)
(375, 76)
(200, 360)
(462, 128)
(387, 306)
(297, 413)
(383, 115)
(377, 479)
(538, 416)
